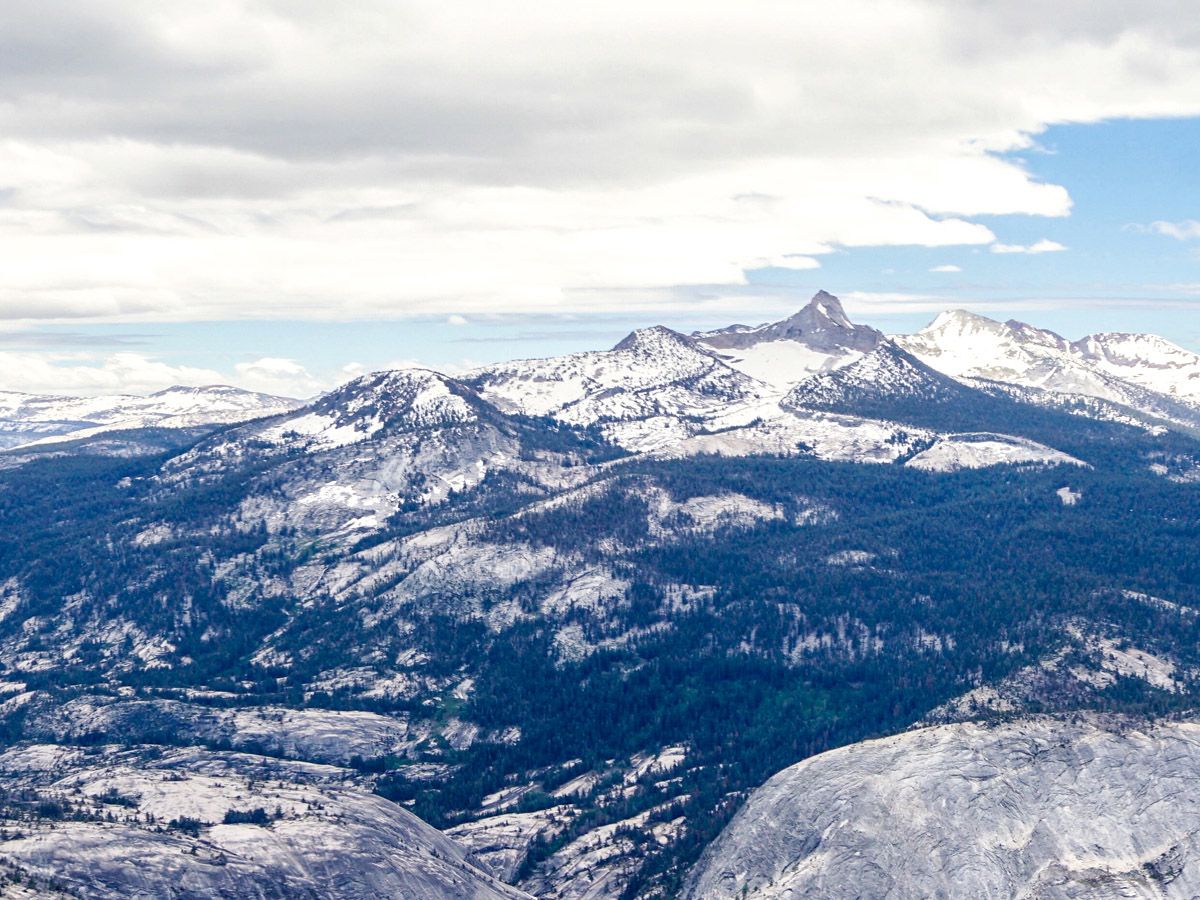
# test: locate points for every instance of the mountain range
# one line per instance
(40, 419)
(657, 386)
(544, 628)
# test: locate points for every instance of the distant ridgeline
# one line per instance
(572, 611)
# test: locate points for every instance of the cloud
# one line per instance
(1043, 246)
(866, 306)
(83, 373)
(456, 319)
(27, 339)
(947, 267)
(1187, 230)
(796, 262)
(274, 375)
(254, 158)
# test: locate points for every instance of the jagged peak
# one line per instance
(823, 313)
(821, 324)
(824, 306)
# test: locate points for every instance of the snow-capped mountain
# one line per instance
(347, 461)
(655, 388)
(1031, 808)
(381, 403)
(966, 345)
(732, 390)
(1140, 372)
(814, 383)
(658, 388)
(1144, 359)
(40, 418)
(651, 372)
(818, 338)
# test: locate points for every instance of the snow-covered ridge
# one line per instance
(358, 453)
(652, 372)
(396, 401)
(1128, 369)
(885, 373)
(42, 419)
(1144, 359)
(975, 451)
(744, 391)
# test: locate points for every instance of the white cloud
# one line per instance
(1187, 230)
(456, 319)
(274, 375)
(84, 373)
(947, 267)
(267, 159)
(866, 306)
(1043, 246)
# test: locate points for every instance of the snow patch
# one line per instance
(977, 451)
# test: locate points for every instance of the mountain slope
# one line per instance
(890, 383)
(887, 374)
(192, 823)
(563, 624)
(1031, 808)
(385, 441)
(720, 392)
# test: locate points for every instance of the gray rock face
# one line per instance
(821, 325)
(327, 736)
(145, 823)
(1036, 808)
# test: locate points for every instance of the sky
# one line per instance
(282, 195)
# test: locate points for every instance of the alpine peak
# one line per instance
(655, 338)
(822, 325)
(825, 306)
(960, 320)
